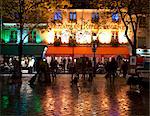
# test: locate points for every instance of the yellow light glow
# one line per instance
(88, 37)
(105, 37)
(48, 36)
(122, 38)
(65, 36)
(83, 37)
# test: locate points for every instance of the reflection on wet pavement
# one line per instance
(60, 98)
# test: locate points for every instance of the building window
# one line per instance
(114, 37)
(95, 17)
(58, 16)
(73, 16)
(13, 36)
(115, 17)
(142, 23)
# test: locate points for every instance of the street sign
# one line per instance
(132, 64)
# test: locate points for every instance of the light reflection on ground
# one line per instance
(99, 98)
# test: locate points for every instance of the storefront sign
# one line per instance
(133, 60)
(132, 65)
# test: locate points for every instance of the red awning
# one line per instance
(86, 51)
(59, 51)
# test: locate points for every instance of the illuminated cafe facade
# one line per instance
(70, 34)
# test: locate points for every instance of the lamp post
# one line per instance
(94, 51)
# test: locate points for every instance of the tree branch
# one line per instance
(136, 22)
(133, 28)
(30, 31)
(126, 33)
(34, 5)
(126, 30)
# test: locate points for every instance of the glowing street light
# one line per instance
(94, 51)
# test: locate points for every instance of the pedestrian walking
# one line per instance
(124, 68)
(90, 70)
(113, 69)
(64, 64)
(54, 68)
(83, 68)
(108, 70)
(72, 69)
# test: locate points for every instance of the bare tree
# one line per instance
(30, 11)
(130, 12)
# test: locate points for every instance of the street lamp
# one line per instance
(94, 51)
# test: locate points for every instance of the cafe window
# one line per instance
(115, 17)
(13, 36)
(58, 16)
(95, 17)
(73, 16)
(114, 36)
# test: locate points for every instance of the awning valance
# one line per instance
(9, 50)
(86, 51)
(35, 50)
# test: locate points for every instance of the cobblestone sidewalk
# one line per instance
(60, 98)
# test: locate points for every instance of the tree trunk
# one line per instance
(134, 45)
(21, 6)
(134, 51)
(20, 50)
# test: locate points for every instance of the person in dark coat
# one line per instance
(72, 69)
(43, 68)
(16, 68)
(90, 70)
(55, 67)
(124, 68)
(113, 69)
(108, 70)
(64, 64)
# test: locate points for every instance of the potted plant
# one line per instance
(57, 42)
(72, 42)
(114, 43)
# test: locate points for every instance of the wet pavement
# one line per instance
(60, 98)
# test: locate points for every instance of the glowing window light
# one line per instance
(105, 37)
(115, 17)
(38, 37)
(122, 38)
(25, 32)
(6, 35)
(83, 37)
(48, 36)
(65, 36)
(88, 38)
(94, 38)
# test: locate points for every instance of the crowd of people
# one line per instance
(82, 67)
(112, 67)
(48, 72)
